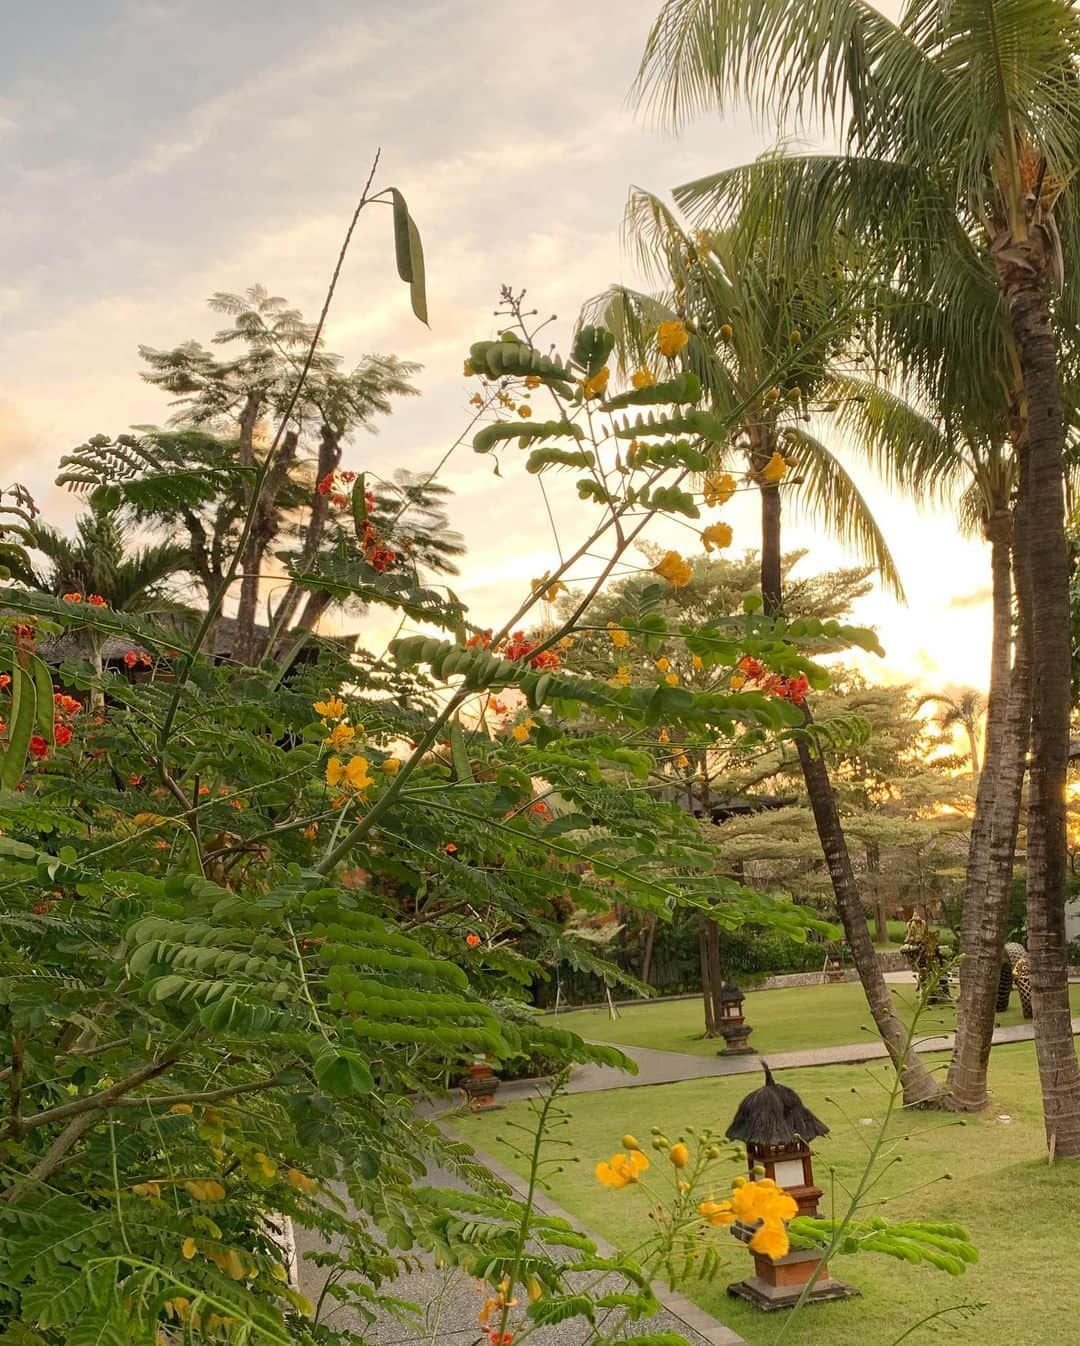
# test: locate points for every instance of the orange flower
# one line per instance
(472, 940)
(771, 1240)
(73, 598)
(673, 568)
(96, 601)
(718, 488)
(671, 337)
(775, 469)
(597, 385)
(621, 1169)
(717, 535)
(643, 377)
(717, 1213)
(679, 1155)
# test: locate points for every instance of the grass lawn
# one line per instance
(1023, 1215)
(789, 1020)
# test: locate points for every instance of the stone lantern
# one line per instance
(480, 1085)
(777, 1127)
(733, 1026)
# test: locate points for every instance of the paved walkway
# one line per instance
(448, 1300)
(659, 1067)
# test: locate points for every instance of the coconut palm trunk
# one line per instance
(997, 799)
(988, 888)
(1045, 596)
(920, 1087)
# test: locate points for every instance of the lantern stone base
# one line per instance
(779, 1284)
(479, 1090)
(735, 1040)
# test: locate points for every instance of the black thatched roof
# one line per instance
(774, 1115)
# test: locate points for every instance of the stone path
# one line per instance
(660, 1067)
(449, 1300)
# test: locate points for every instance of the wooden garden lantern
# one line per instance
(733, 1026)
(777, 1127)
(480, 1085)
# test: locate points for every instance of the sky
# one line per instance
(157, 151)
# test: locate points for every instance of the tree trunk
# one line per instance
(328, 461)
(1023, 268)
(873, 867)
(984, 945)
(712, 1022)
(647, 955)
(247, 646)
(997, 801)
(920, 1087)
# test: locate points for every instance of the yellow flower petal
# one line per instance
(671, 337)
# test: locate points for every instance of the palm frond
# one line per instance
(822, 487)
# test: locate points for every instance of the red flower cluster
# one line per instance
(133, 657)
(377, 556)
(66, 704)
(516, 646)
(775, 684)
(328, 486)
(39, 748)
(541, 808)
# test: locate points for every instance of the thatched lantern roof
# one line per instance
(775, 1115)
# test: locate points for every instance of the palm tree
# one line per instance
(95, 561)
(747, 317)
(964, 709)
(960, 127)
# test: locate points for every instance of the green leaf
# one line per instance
(21, 727)
(459, 753)
(409, 254)
(525, 432)
(44, 687)
(342, 1073)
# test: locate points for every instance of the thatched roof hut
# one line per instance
(775, 1115)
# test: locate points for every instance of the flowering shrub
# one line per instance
(248, 911)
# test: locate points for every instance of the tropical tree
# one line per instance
(224, 405)
(744, 318)
(963, 709)
(960, 131)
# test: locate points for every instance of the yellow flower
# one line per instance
(181, 1109)
(717, 1213)
(310, 832)
(643, 377)
(738, 682)
(205, 1189)
(619, 638)
(621, 678)
(597, 385)
(719, 488)
(340, 736)
(521, 731)
(697, 661)
(674, 569)
(682, 761)
(663, 664)
(549, 590)
(567, 643)
(468, 369)
(671, 337)
(525, 411)
(532, 380)
(188, 1249)
(717, 535)
(621, 1169)
(763, 1200)
(391, 766)
(301, 1181)
(663, 736)
(535, 1288)
(333, 709)
(353, 774)
(771, 1240)
(679, 1155)
(775, 469)
(672, 679)
(147, 1189)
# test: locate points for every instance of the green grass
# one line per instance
(1023, 1215)
(790, 1020)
